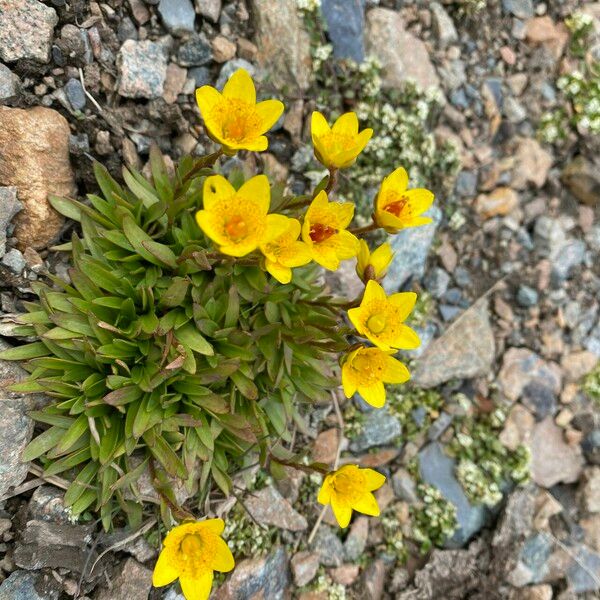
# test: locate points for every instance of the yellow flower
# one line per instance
(337, 147)
(373, 265)
(397, 207)
(234, 118)
(381, 319)
(324, 231)
(191, 552)
(282, 249)
(236, 220)
(366, 370)
(349, 488)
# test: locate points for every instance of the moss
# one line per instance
(423, 309)
(395, 543)
(245, 537)
(469, 8)
(353, 420)
(591, 385)
(581, 26)
(324, 583)
(403, 401)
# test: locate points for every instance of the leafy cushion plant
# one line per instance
(195, 331)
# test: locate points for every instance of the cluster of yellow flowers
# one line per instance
(239, 223)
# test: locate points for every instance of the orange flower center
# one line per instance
(376, 323)
(395, 208)
(236, 228)
(240, 120)
(191, 546)
(319, 232)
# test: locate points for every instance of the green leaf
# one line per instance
(191, 337)
(66, 207)
(165, 455)
(162, 253)
(175, 293)
(123, 396)
(33, 350)
(42, 443)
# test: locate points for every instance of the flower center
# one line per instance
(350, 485)
(319, 232)
(191, 546)
(334, 143)
(396, 207)
(239, 120)
(236, 228)
(376, 323)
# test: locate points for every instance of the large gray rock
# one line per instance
(411, 246)
(142, 69)
(269, 507)
(403, 56)
(133, 582)
(443, 25)
(9, 207)
(379, 428)
(437, 469)
(23, 585)
(26, 29)
(345, 26)
(283, 44)
(9, 83)
(465, 350)
(177, 15)
(583, 573)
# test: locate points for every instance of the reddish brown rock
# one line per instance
(345, 575)
(542, 31)
(501, 201)
(34, 157)
(325, 446)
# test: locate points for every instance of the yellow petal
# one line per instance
(345, 244)
(407, 339)
(258, 191)
(389, 221)
(373, 291)
(277, 225)
(395, 371)
(347, 381)
(215, 526)
(260, 144)
(197, 588)
(296, 254)
(239, 250)
(363, 258)
(324, 496)
(373, 394)
(397, 181)
(362, 140)
(216, 188)
(240, 86)
(403, 303)
(347, 124)
(367, 505)
(341, 510)
(166, 570)
(222, 560)
(373, 479)
(320, 203)
(342, 212)
(325, 256)
(207, 98)
(355, 316)
(281, 273)
(420, 200)
(418, 221)
(318, 126)
(212, 226)
(269, 112)
(381, 258)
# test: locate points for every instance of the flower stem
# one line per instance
(361, 230)
(332, 181)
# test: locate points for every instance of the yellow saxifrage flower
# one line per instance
(366, 370)
(283, 250)
(350, 488)
(237, 220)
(191, 552)
(397, 207)
(324, 231)
(337, 147)
(234, 118)
(373, 265)
(381, 318)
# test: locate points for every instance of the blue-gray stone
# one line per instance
(459, 98)
(436, 282)
(230, 67)
(411, 246)
(200, 75)
(195, 52)
(14, 260)
(23, 585)
(9, 207)
(453, 296)
(449, 312)
(535, 554)
(328, 546)
(177, 15)
(466, 184)
(583, 573)
(462, 277)
(565, 258)
(418, 415)
(437, 469)
(495, 86)
(75, 94)
(523, 9)
(10, 84)
(379, 428)
(591, 447)
(527, 296)
(592, 342)
(426, 335)
(540, 399)
(439, 426)
(345, 26)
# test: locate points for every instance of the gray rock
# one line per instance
(548, 234)
(10, 84)
(26, 30)
(267, 578)
(404, 57)
(283, 44)
(523, 9)
(23, 585)
(304, 567)
(439, 426)
(379, 428)
(443, 26)
(47, 504)
(583, 573)
(269, 507)
(328, 546)
(437, 469)
(534, 556)
(196, 51)
(466, 184)
(540, 399)
(515, 112)
(465, 350)
(75, 94)
(426, 335)
(142, 69)
(14, 260)
(411, 246)
(230, 67)
(133, 582)
(9, 207)
(79, 144)
(436, 282)
(211, 9)
(591, 447)
(448, 311)
(200, 75)
(404, 486)
(565, 258)
(582, 179)
(356, 541)
(177, 15)
(527, 296)
(345, 24)
(592, 342)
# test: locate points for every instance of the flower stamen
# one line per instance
(319, 232)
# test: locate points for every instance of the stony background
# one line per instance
(511, 267)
